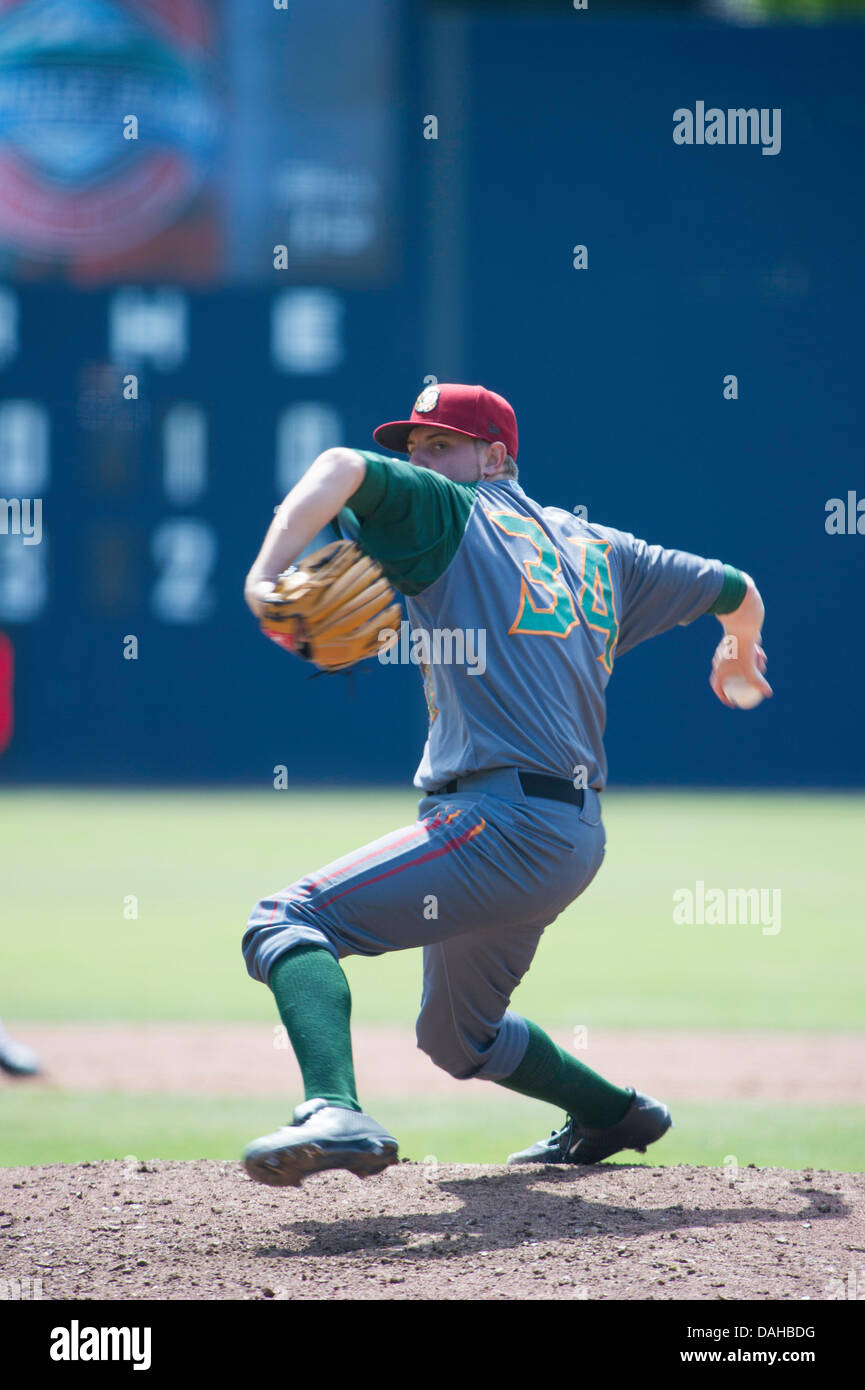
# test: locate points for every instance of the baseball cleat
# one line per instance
(16, 1058)
(320, 1136)
(645, 1121)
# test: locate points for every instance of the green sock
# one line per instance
(548, 1073)
(314, 1003)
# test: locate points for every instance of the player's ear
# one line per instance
(495, 458)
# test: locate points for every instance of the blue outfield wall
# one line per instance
(703, 261)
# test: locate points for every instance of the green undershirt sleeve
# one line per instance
(733, 590)
(410, 519)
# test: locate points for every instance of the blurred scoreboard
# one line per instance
(104, 446)
(202, 285)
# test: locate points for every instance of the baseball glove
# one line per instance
(331, 606)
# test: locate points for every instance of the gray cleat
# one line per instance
(645, 1121)
(16, 1058)
(320, 1136)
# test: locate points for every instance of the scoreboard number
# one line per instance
(23, 580)
(184, 552)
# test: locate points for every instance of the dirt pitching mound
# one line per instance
(203, 1230)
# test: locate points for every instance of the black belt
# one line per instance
(533, 784)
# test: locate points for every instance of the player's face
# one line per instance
(444, 451)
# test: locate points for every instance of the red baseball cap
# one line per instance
(470, 410)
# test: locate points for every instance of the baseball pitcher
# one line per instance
(509, 828)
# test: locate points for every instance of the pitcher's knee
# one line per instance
(256, 933)
(276, 925)
(445, 1051)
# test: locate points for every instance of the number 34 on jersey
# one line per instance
(559, 617)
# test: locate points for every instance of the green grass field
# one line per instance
(197, 862)
(63, 1128)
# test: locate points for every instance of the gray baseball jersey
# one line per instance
(518, 632)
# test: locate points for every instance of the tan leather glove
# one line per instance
(331, 606)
